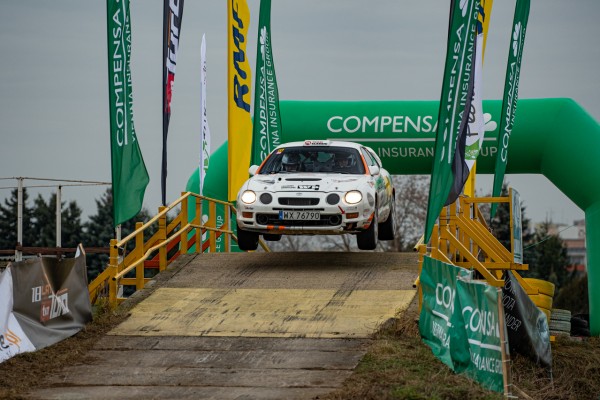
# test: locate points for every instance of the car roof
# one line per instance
(321, 143)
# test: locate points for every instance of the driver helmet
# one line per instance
(290, 162)
(343, 160)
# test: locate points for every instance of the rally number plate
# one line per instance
(300, 215)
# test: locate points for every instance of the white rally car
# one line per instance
(317, 187)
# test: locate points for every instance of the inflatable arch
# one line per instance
(553, 137)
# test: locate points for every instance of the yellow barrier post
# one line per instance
(113, 265)
(139, 252)
(162, 236)
(183, 242)
(212, 222)
(198, 222)
(227, 225)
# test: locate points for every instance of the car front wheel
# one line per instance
(387, 229)
(247, 241)
(367, 240)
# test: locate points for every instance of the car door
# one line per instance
(380, 184)
(389, 187)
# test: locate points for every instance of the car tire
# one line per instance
(367, 239)
(387, 229)
(247, 241)
(272, 237)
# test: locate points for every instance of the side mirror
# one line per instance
(252, 170)
(373, 169)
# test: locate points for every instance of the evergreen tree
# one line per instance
(99, 231)
(72, 228)
(8, 222)
(549, 259)
(44, 223)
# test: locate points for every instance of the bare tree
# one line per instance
(296, 243)
(339, 243)
(412, 192)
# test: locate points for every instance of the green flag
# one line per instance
(457, 81)
(266, 128)
(129, 174)
(511, 95)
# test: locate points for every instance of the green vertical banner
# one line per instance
(129, 174)
(479, 310)
(266, 129)
(456, 86)
(511, 95)
(440, 321)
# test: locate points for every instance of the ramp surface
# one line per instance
(253, 325)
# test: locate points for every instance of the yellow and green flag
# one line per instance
(239, 93)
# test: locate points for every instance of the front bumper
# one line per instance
(334, 218)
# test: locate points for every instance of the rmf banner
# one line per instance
(42, 301)
(129, 174)
(454, 104)
(266, 133)
(511, 94)
(239, 93)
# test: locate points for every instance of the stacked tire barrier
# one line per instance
(580, 325)
(560, 323)
(543, 300)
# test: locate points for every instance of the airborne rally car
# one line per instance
(317, 187)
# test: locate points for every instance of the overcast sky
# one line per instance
(54, 95)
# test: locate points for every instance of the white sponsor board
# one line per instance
(12, 338)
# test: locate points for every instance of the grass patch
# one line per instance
(399, 365)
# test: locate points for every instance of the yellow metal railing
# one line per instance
(462, 238)
(170, 238)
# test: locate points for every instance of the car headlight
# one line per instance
(353, 197)
(248, 197)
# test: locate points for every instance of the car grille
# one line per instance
(296, 201)
(273, 219)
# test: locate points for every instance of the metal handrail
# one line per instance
(115, 272)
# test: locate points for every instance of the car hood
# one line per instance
(305, 182)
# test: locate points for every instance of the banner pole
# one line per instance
(506, 376)
(19, 253)
(58, 216)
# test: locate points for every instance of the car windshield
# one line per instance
(325, 159)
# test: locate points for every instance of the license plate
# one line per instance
(300, 215)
